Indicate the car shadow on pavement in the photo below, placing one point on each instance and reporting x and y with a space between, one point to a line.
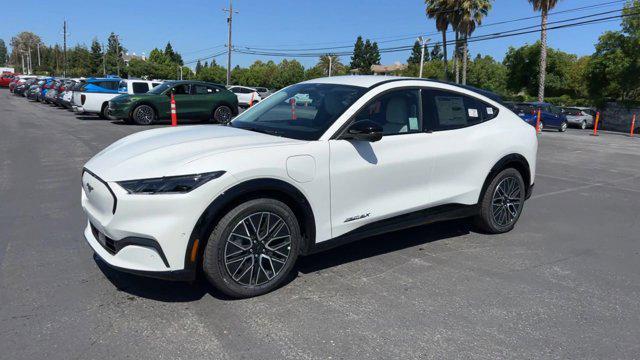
176 291
383 244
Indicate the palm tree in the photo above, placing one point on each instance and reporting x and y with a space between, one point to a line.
440 10
331 64
469 17
543 6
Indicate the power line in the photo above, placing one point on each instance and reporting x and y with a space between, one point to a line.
499 35
396 38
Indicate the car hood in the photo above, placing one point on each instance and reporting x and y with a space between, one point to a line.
166 151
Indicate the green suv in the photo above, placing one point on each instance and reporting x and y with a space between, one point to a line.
194 100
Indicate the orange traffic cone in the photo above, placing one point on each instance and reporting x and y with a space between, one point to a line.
174 115
251 101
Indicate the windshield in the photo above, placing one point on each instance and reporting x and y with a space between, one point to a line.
301 111
160 88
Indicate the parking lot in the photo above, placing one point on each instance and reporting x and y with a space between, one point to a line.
564 284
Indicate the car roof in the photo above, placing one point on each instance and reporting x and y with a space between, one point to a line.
369 81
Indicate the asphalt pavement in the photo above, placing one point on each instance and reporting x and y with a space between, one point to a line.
565 283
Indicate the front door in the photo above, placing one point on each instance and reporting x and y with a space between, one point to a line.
372 181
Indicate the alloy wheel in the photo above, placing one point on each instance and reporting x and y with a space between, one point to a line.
257 249
583 125
144 115
222 114
507 201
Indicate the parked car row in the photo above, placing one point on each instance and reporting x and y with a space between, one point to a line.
552 116
134 101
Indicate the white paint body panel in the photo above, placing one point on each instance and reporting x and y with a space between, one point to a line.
340 179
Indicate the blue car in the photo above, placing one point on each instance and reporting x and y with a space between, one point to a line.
550 116
48 82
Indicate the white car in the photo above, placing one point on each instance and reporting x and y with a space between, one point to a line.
89 102
245 95
581 117
369 154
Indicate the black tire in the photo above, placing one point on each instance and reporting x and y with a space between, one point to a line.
222 114
226 264
500 216
143 115
563 127
104 112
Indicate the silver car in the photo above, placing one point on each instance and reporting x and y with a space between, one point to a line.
581 117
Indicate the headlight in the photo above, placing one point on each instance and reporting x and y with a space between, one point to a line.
168 185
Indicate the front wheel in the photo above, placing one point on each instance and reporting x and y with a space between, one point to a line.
502 202
143 115
583 125
253 248
222 114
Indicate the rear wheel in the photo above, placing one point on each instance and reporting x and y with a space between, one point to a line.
104 111
563 127
143 115
502 202
222 114
583 125
253 248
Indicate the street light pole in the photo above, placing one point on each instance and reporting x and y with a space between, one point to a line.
330 63
423 43
229 22
64 66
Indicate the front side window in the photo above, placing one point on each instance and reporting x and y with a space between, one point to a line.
182 89
396 112
301 111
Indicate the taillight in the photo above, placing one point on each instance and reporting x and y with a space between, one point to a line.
83 97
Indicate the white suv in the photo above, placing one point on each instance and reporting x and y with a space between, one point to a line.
245 95
365 155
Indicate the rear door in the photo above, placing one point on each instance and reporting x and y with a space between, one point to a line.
204 100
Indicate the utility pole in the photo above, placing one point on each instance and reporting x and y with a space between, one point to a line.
118 55
64 57
229 22
104 61
38 54
423 42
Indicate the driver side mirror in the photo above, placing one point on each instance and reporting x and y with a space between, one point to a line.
364 130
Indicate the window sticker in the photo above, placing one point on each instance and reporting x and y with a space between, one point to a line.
413 123
473 113
450 110
490 110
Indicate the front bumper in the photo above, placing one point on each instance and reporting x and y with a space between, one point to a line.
151 235
118 110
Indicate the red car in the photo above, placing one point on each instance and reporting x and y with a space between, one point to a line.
5 79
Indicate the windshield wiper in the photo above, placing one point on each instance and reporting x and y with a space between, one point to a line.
263 131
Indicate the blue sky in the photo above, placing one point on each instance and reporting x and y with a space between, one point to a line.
197 28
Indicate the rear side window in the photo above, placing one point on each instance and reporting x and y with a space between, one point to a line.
140 87
202 90
446 110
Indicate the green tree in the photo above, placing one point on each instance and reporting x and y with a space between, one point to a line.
289 72
613 69
358 59
544 6
3 53
471 13
198 66
326 60
371 56
213 73
440 11
416 53
486 73
23 43
172 55
114 52
96 58
436 53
